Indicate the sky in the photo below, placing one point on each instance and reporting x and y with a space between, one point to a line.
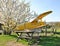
41 6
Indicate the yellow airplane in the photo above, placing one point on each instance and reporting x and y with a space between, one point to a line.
36 23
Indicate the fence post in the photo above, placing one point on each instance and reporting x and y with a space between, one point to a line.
46 30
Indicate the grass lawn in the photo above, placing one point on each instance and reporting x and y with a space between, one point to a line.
6 40
50 41
53 40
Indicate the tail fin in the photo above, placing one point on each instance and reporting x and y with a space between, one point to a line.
41 16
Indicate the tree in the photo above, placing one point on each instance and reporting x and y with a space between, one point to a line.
31 16
13 13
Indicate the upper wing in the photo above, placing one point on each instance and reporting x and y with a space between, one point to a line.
41 16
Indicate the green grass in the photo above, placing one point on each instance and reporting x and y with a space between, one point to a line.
6 38
50 41
44 41
53 40
58 30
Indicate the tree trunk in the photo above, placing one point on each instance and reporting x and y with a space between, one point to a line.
7 32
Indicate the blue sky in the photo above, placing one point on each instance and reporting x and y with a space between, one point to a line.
41 6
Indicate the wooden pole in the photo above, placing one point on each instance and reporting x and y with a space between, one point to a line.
46 30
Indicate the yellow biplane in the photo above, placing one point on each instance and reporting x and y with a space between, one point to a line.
36 23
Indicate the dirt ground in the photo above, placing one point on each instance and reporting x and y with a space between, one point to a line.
14 43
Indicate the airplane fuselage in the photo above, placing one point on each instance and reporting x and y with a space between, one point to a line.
29 25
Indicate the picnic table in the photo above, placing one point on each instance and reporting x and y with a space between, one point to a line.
29 34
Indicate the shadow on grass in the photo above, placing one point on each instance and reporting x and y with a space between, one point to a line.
49 41
15 36
46 40
57 33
